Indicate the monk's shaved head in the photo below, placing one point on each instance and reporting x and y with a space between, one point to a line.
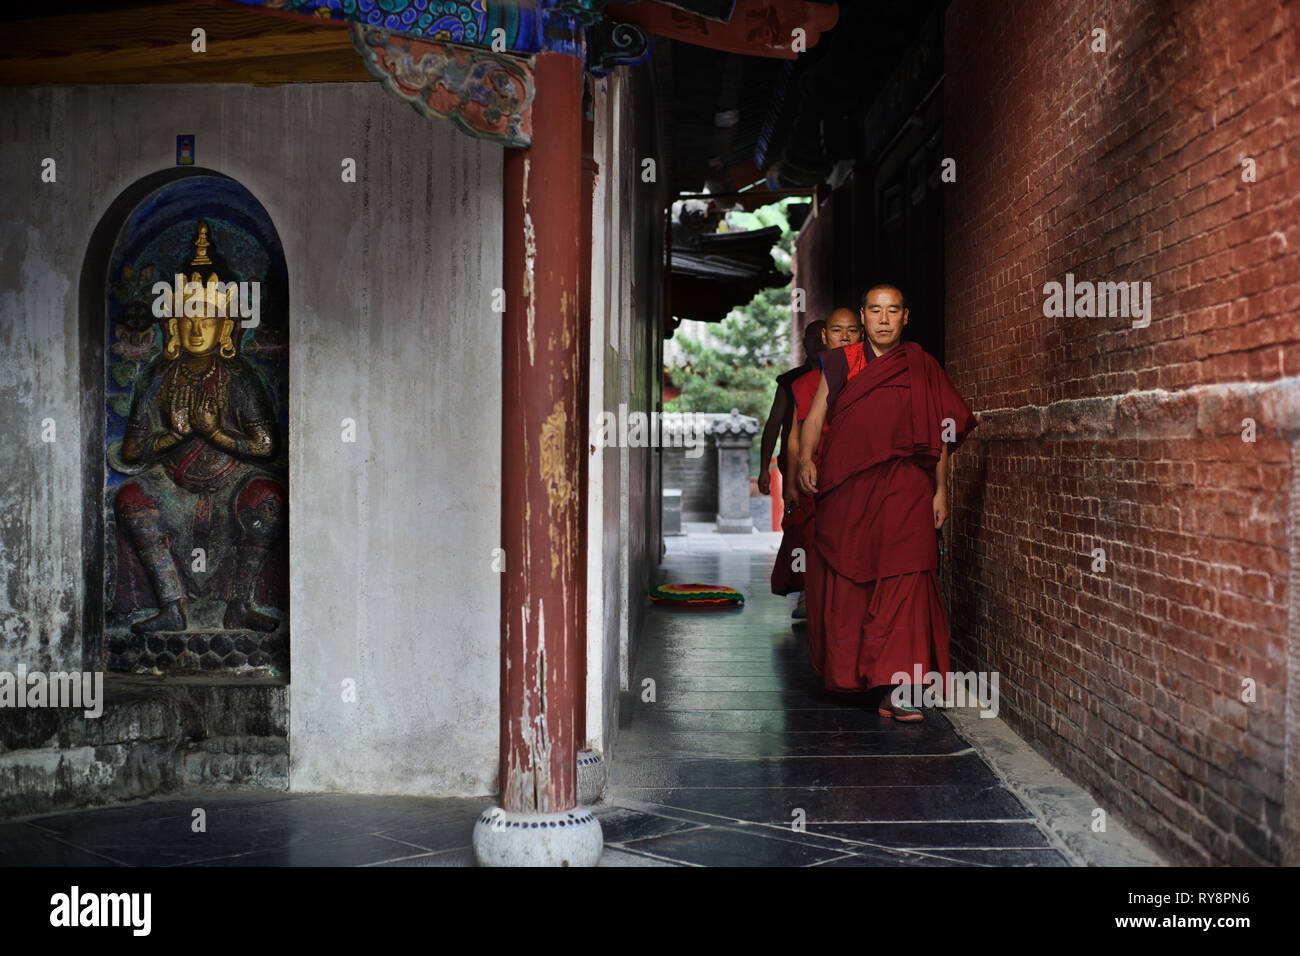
902 296
812 338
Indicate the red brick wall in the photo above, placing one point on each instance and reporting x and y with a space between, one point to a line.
1127 166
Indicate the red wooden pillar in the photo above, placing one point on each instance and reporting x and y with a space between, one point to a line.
543 431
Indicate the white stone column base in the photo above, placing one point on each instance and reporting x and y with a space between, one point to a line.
591 776
743 525
568 838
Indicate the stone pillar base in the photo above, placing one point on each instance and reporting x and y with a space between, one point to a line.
568 838
743 525
591 776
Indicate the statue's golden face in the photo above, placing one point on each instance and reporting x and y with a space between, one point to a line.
200 334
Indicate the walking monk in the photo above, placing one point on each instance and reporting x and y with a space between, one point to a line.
893 420
841 329
780 421
777 430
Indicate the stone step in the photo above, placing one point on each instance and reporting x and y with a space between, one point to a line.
155 735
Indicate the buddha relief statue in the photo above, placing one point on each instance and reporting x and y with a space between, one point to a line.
202 426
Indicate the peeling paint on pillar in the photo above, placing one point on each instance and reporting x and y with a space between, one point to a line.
530 266
559 489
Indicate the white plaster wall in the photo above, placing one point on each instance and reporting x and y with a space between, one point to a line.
43 231
390 284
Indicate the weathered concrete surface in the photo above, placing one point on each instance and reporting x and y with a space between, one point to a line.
391 281
391 562
1065 808
155 735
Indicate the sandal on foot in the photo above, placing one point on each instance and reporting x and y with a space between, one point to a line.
800 612
905 714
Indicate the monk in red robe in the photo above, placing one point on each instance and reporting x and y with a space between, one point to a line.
787 574
842 328
892 420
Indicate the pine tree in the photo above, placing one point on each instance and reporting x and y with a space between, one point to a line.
753 343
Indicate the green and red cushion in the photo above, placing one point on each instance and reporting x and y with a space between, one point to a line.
696 595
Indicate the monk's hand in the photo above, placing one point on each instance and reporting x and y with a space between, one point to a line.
765 482
940 508
807 478
790 495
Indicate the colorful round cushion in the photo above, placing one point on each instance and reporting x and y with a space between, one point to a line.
700 595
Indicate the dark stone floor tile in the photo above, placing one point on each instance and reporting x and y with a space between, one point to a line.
365 813
460 856
633 743
621 857
875 857
22 845
966 770
715 847
806 685
1034 857
647 718
170 841
687 656
667 698
620 825
847 804
938 835
350 851
437 835
784 669
148 810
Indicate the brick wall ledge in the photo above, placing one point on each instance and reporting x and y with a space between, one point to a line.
1202 411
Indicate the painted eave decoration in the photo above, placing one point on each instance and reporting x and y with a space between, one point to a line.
470 61
485 95
516 26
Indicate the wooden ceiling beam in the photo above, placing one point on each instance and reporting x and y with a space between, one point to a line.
154 45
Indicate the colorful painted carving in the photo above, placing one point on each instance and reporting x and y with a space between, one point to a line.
485 94
470 22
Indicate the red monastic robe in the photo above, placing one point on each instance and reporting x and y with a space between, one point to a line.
872 570
795 526
785 580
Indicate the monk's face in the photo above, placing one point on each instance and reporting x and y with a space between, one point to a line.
812 338
884 317
842 328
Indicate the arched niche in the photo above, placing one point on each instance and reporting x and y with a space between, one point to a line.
185 456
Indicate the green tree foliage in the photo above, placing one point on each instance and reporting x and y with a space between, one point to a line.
752 342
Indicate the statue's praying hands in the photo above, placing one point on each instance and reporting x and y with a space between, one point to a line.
179 414
206 416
